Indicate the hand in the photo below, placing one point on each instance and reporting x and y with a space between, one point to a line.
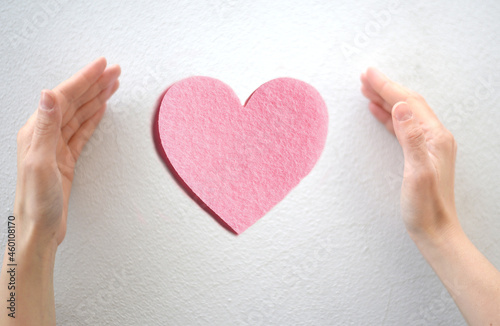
427 193
50 143
428 201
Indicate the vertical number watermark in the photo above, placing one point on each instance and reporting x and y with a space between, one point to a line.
11 265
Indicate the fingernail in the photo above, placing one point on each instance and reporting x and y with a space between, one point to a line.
402 111
46 101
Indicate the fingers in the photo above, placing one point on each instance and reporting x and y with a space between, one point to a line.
88 110
108 77
80 82
375 98
47 125
411 136
382 115
385 93
388 90
81 137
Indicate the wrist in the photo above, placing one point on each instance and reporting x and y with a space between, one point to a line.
31 242
30 261
433 226
33 222
438 239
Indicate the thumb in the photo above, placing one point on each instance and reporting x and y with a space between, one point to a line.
411 136
47 124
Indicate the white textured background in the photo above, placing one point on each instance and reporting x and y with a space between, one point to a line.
139 251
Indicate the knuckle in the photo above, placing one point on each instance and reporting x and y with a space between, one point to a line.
423 178
21 135
36 165
415 137
33 164
449 139
43 128
426 176
446 140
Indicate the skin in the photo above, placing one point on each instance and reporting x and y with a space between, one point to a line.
49 145
51 142
428 200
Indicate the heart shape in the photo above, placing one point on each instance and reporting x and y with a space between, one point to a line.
240 161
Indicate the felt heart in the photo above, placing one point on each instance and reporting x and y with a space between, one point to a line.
240 161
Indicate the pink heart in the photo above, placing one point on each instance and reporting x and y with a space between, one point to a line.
240 161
